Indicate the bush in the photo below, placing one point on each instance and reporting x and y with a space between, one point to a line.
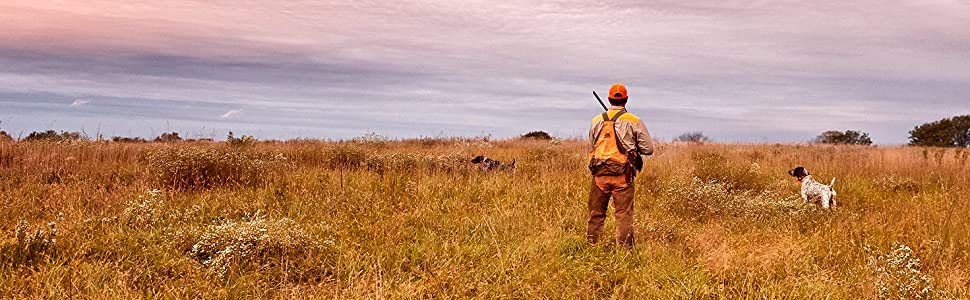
53 136
899 274
121 139
537 135
244 141
168 137
948 132
344 157
192 168
693 137
713 167
849 137
371 140
239 245
700 200
4 137
30 244
703 201
147 210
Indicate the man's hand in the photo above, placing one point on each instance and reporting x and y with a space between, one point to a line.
633 156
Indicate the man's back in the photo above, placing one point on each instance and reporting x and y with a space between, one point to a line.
632 132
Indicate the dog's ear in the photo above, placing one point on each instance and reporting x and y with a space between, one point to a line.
477 159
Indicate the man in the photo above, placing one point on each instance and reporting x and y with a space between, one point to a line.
618 139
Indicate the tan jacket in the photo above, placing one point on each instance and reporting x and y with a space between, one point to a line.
630 129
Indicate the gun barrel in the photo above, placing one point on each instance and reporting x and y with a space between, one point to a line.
601 101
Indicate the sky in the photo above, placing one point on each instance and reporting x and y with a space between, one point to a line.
739 71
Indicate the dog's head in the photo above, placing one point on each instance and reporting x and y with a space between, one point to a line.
478 159
798 172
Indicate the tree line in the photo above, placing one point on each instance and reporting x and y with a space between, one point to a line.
72 136
946 132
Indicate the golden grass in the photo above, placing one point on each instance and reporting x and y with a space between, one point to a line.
411 219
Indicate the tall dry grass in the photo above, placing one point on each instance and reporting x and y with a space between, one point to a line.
412 219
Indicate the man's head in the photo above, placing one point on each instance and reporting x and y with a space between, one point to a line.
618 95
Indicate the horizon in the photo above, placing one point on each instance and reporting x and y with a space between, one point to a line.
739 72
374 137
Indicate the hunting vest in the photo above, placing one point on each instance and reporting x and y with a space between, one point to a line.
608 156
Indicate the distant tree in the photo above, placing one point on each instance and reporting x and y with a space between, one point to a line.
961 132
168 137
948 132
124 139
245 140
849 137
53 136
4 137
538 135
48 135
693 137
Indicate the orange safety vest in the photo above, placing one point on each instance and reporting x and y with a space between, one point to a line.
608 146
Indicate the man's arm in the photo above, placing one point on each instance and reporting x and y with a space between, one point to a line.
644 141
592 134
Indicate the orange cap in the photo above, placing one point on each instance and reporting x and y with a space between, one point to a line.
618 92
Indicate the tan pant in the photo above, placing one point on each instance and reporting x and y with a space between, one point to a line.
599 198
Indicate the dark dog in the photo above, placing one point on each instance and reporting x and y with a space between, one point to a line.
813 190
489 164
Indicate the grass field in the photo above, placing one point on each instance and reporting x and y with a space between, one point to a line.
412 219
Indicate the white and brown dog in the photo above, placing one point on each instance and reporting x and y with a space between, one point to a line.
489 164
813 190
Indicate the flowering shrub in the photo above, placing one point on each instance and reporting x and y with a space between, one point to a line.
146 210
898 274
701 200
711 166
31 243
371 139
192 168
235 245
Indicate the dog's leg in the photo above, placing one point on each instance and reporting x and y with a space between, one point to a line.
825 200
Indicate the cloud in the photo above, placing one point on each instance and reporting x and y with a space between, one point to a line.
231 113
79 102
738 69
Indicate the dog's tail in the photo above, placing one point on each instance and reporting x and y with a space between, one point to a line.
831 184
